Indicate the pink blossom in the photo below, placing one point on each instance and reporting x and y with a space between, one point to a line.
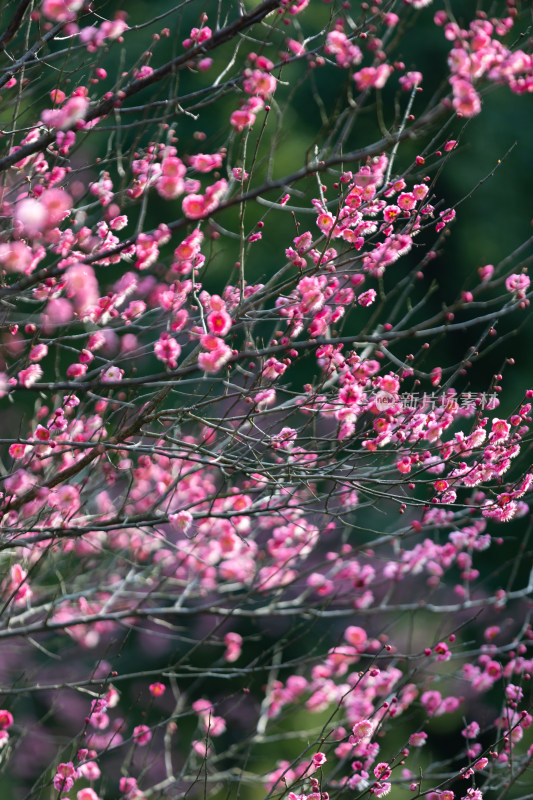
233 642
471 731
206 163
517 284
87 794
62 784
109 30
15 256
77 370
197 36
181 521
257 82
219 322
200 748
473 794
31 215
38 352
128 786
407 200
410 80
356 636
381 789
65 776
242 118
382 770
372 77
82 287
142 735
418 739
27 377
194 206
61 10
111 374
346 52
362 731
319 759
63 118
57 312
18 450
296 47
432 702
216 356
89 770
168 350
486 272
500 430
170 183
285 439
367 298
273 368
6 719
297 7
57 204
465 98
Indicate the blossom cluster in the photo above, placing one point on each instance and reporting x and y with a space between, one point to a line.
222 517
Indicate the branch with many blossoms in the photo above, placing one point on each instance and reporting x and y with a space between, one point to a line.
248 498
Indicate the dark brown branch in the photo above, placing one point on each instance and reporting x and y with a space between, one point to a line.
17 65
103 108
14 25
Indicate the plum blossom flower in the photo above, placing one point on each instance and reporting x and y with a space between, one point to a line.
65 776
68 115
466 100
367 298
410 80
61 10
16 256
111 374
518 284
219 322
319 759
233 642
361 731
167 350
206 163
216 353
372 77
242 118
346 53
170 183
87 794
285 439
38 352
181 521
260 83
6 719
142 735
381 789
356 636
27 377
197 36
